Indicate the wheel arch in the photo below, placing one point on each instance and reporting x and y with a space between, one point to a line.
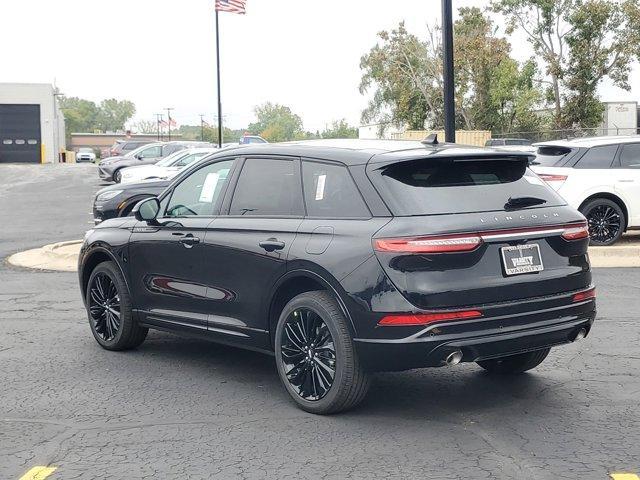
609 196
91 260
294 283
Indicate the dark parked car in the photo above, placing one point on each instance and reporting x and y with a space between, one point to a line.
118 200
122 147
346 257
110 169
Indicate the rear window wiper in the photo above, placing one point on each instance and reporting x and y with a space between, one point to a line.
521 202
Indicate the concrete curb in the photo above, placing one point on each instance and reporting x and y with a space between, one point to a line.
616 256
61 257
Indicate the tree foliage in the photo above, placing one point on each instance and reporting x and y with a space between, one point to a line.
276 123
340 129
493 91
85 116
578 43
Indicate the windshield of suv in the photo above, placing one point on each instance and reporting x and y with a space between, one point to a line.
443 186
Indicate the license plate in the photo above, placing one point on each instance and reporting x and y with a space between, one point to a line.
522 259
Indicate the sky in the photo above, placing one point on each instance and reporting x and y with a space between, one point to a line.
161 53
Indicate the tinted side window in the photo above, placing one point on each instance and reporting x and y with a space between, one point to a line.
268 187
329 191
197 194
129 146
598 157
630 156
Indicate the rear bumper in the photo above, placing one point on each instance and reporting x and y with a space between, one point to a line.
430 348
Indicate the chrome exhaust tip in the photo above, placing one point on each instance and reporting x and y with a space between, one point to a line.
581 334
454 358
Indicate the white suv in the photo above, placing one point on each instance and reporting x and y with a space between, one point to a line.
599 176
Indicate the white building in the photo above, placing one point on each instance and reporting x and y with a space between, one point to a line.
31 124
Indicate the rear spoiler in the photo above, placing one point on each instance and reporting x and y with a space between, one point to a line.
450 155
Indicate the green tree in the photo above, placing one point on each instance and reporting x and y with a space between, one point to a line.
145 126
579 43
276 123
114 114
492 90
81 116
339 129
405 74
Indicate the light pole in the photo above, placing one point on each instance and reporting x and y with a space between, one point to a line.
201 127
449 79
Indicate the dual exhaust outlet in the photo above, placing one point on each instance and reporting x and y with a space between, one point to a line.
456 356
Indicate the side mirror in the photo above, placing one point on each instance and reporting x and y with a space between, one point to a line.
147 210
139 156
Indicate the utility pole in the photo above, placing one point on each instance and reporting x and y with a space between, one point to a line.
201 127
159 118
449 80
169 121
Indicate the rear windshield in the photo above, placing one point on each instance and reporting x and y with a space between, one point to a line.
553 156
436 187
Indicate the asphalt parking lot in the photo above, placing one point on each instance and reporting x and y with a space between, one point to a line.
184 408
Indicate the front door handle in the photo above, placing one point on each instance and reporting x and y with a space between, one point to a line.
271 244
626 180
189 241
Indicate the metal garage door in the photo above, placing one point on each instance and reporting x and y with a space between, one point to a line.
20 133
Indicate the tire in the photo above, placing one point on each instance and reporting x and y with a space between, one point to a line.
117 176
606 221
323 315
515 364
128 333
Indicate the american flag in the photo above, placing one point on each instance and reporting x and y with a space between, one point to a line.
233 6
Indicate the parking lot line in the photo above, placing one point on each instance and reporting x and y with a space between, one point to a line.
624 476
38 473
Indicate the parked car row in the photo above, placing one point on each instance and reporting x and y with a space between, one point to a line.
111 168
341 258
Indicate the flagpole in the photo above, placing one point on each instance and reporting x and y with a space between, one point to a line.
218 71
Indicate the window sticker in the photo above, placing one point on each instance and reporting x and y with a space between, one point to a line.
209 187
322 179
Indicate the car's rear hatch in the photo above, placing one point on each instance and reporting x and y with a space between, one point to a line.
474 229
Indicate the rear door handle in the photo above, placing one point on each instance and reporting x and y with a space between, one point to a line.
626 180
271 244
189 241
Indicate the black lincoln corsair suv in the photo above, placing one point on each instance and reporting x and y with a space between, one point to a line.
346 257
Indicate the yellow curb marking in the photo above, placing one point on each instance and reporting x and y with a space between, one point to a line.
40 473
624 476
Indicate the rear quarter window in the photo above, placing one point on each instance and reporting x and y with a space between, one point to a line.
444 186
598 157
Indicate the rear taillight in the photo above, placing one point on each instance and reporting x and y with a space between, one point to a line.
441 244
585 295
553 178
577 232
427 318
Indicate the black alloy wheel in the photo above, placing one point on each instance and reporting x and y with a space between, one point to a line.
109 309
104 306
316 357
309 354
606 221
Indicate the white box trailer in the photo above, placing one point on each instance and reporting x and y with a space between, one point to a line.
620 118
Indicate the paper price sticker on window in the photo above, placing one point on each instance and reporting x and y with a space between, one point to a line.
322 179
209 187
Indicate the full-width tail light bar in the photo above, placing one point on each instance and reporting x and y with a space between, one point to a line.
585 295
470 241
409 320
